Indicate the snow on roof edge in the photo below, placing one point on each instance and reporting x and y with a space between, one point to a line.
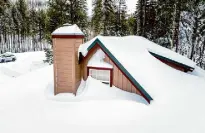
68 30
84 48
170 60
124 70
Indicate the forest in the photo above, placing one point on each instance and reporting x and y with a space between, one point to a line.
175 24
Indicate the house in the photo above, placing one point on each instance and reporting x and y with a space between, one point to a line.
124 62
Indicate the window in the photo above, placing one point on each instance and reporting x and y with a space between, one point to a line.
102 75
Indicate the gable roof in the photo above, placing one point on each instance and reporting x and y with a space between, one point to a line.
127 74
132 55
139 42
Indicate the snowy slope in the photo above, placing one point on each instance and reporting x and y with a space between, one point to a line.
32 61
137 44
25 107
94 90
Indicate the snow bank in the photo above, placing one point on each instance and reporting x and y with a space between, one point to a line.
93 89
97 60
32 61
198 72
178 104
24 108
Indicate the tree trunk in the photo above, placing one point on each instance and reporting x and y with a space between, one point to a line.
176 25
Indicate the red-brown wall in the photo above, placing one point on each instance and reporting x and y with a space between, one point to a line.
119 80
173 65
67 74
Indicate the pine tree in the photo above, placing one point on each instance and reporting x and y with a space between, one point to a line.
121 21
108 17
57 14
16 16
42 20
194 19
23 10
146 18
97 17
78 13
140 15
132 26
65 11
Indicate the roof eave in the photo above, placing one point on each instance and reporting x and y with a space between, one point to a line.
141 89
186 67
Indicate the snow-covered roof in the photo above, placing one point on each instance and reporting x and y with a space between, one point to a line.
132 53
68 29
138 43
97 60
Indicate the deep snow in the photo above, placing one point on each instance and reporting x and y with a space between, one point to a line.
130 45
97 60
68 29
26 108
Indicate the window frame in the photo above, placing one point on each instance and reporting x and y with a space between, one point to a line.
101 69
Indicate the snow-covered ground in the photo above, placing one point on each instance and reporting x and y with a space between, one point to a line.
25 63
28 106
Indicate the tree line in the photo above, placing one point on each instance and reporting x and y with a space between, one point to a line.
176 24
22 26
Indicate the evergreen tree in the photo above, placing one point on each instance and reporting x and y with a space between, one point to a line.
97 17
103 20
132 26
34 28
108 18
65 11
16 16
146 18
24 22
121 21
42 20
78 13
193 21
57 14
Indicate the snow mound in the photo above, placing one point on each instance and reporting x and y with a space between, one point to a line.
26 62
97 60
198 72
93 89
68 30
177 107
97 90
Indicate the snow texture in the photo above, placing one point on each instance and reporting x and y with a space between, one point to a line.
34 60
93 89
27 104
137 45
97 60
68 30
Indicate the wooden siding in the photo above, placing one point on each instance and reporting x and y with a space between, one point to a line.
119 80
66 68
78 42
173 65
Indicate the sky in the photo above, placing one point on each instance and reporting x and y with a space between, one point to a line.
131 4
